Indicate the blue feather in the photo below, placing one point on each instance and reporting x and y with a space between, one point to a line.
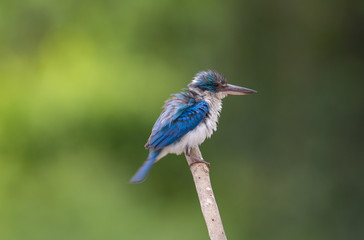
143 171
169 128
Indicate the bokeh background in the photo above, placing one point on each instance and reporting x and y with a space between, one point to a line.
82 82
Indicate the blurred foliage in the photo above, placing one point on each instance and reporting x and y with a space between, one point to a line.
82 82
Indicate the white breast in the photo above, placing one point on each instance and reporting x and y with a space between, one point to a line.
201 132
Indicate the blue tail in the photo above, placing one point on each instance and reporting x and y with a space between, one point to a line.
143 171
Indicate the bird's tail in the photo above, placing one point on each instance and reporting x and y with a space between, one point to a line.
143 171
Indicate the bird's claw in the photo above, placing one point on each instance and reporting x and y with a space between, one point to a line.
195 160
200 161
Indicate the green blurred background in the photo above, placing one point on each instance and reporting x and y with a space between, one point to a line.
82 82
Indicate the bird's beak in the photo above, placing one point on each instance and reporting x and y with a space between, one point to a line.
236 90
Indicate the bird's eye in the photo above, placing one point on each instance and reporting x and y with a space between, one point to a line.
216 85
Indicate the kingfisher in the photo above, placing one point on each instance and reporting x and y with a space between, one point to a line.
188 118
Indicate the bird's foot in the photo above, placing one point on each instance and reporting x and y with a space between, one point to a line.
195 160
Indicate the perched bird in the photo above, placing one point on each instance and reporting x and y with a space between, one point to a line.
188 118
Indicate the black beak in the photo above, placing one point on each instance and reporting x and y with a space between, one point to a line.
236 90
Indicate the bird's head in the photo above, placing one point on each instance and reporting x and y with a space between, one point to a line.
213 83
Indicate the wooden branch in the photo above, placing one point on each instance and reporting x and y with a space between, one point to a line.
210 211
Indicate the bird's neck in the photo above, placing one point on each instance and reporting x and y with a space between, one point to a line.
215 104
214 101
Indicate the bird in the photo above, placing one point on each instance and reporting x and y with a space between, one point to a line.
188 118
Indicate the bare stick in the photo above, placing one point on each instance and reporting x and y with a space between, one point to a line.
210 211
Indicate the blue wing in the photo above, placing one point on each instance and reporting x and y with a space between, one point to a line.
175 121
